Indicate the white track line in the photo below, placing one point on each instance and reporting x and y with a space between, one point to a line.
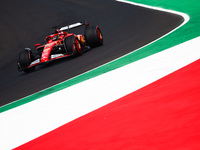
31 120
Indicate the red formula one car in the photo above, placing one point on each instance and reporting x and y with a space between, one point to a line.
60 44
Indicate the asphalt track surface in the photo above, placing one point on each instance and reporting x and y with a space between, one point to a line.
24 23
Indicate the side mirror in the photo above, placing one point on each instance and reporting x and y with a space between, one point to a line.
37 45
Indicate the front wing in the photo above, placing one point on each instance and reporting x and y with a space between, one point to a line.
38 61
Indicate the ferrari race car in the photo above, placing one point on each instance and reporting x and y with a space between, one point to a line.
59 45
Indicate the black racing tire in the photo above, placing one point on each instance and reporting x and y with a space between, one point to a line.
93 36
25 59
72 45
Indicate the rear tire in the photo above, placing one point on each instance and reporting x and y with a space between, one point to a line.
72 45
94 37
25 59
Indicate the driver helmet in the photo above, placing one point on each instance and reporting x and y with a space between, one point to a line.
56 37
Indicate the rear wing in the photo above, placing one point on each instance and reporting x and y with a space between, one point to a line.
75 25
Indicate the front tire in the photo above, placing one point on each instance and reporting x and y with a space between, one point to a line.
25 59
72 45
94 37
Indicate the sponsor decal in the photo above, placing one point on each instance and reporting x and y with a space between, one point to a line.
46 49
35 62
56 55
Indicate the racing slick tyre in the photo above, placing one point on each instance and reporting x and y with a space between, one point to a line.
94 37
72 45
25 59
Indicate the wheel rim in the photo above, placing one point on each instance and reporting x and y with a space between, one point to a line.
78 46
100 37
